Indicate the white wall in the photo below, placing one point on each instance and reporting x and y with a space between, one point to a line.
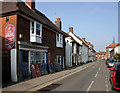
84 53
117 49
68 52
14 65
84 48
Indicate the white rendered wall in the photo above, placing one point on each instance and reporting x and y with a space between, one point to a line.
84 48
14 65
68 52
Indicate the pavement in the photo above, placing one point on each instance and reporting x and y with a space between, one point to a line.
46 80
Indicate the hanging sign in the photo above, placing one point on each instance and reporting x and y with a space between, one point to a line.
9 36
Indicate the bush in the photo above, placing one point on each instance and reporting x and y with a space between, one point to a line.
117 56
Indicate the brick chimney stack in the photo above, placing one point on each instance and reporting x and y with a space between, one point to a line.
31 4
58 23
88 43
71 29
83 39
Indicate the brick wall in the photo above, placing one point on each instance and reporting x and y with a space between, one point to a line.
6 63
107 53
48 38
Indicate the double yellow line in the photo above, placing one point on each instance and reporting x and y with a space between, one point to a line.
51 82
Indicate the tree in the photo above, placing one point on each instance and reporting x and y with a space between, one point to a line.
117 56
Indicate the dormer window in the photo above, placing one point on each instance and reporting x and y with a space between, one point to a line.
35 32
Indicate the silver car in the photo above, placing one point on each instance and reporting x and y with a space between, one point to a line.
111 63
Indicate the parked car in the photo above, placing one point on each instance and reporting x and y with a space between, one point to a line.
111 62
115 76
107 61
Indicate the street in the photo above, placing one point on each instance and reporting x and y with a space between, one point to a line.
93 78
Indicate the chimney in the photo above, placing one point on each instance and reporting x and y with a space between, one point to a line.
58 23
88 43
71 29
31 4
83 39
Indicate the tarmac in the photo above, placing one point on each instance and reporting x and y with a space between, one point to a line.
35 84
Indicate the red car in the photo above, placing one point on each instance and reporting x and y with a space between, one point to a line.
115 76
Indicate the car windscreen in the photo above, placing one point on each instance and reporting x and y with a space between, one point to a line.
110 60
118 67
114 60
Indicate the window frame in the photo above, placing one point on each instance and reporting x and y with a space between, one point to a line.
59 40
35 35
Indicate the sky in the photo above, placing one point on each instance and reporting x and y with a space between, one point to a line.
95 21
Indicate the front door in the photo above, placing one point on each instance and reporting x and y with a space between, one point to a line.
25 64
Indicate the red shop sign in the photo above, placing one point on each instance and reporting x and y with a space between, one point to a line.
9 36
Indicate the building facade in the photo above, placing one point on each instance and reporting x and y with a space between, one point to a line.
109 48
29 37
73 51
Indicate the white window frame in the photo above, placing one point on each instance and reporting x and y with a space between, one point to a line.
59 58
59 40
74 48
39 58
33 36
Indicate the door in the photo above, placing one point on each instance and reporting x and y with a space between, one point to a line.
25 64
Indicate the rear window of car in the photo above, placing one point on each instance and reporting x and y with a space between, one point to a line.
118 67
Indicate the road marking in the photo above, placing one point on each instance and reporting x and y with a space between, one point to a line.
56 80
99 69
96 74
107 85
106 81
107 90
90 86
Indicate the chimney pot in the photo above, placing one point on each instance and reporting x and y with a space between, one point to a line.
31 3
83 39
89 43
71 29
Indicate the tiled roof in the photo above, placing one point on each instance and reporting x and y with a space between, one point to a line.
90 44
113 45
8 7
101 52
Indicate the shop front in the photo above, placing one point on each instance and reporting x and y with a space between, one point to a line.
31 55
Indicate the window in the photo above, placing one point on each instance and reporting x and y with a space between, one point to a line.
37 29
37 57
59 60
32 28
59 40
74 49
35 32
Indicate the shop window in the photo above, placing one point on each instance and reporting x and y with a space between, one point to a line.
37 57
35 32
59 40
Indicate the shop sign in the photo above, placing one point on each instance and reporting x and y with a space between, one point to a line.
9 36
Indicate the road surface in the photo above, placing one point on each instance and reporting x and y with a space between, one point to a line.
93 78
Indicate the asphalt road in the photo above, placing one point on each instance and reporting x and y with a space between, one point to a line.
93 78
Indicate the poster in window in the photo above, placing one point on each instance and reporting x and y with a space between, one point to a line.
33 71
